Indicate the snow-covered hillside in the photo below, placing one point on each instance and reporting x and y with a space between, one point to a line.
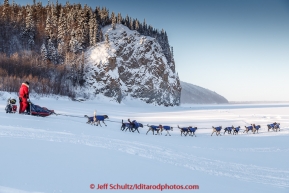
64 154
192 94
130 64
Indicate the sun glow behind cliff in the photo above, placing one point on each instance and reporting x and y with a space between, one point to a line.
131 65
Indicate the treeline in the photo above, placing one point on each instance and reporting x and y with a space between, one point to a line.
45 78
39 41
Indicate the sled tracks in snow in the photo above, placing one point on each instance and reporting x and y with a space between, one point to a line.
253 173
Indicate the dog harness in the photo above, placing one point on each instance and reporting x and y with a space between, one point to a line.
193 129
99 117
154 127
250 127
271 125
228 129
237 128
185 129
167 127
257 127
136 124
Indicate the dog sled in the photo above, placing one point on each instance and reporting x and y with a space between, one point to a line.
36 110
32 109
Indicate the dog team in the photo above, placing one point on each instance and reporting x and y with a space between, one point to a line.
133 126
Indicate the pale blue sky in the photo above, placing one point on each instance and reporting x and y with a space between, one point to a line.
237 48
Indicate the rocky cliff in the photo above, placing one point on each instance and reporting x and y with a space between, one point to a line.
192 94
129 64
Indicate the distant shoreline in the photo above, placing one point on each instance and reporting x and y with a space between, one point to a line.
256 102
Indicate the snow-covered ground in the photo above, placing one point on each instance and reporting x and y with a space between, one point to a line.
64 154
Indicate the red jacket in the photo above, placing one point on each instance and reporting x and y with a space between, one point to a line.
24 92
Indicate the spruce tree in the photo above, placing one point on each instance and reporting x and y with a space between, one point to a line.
104 16
48 27
126 21
136 25
61 34
96 34
19 17
29 31
92 29
100 36
81 71
62 27
106 40
113 20
5 10
6 2
52 52
172 56
79 31
39 15
131 27
54 21
144 27
43 51
97 14
74 45
119 18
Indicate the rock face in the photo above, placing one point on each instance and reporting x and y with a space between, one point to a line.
192 94
130 64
